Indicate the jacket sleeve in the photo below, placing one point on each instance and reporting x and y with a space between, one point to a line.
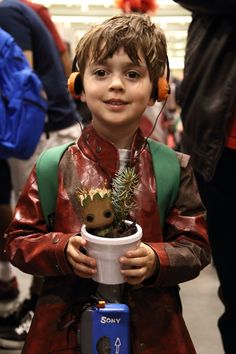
210 7
185 250
29 246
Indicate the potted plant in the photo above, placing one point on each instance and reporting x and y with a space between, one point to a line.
106 229
104 211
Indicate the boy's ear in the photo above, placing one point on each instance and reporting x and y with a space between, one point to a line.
75 86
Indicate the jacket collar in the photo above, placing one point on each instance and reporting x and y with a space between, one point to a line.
104 152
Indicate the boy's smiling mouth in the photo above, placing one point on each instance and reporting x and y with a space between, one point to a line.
116 102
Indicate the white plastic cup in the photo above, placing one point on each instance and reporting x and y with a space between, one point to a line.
107 252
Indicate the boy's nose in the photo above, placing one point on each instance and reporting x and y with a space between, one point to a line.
116 82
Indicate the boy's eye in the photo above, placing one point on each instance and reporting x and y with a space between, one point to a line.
133 75
100 73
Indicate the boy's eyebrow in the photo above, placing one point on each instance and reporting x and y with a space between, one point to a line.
126 64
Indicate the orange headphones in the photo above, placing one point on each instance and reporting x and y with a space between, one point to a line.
74 85
160 92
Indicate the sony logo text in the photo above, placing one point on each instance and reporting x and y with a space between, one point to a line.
105 320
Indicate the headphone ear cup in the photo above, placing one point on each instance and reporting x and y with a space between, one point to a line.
163 89
74 85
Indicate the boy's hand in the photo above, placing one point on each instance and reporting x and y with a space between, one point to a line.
82 265
139 264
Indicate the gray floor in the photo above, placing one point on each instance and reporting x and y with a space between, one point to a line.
201 309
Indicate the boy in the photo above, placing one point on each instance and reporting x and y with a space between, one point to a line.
120 62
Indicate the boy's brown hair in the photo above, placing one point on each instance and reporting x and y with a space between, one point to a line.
135 33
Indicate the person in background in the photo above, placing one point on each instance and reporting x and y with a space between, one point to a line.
61 125
121 62
9 290
62 46
208 103
63 49
8 283
170 120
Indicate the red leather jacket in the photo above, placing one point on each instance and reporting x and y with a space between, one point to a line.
157 325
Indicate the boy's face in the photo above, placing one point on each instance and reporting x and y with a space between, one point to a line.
117 92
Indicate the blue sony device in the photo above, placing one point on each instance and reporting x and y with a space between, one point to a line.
104 329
